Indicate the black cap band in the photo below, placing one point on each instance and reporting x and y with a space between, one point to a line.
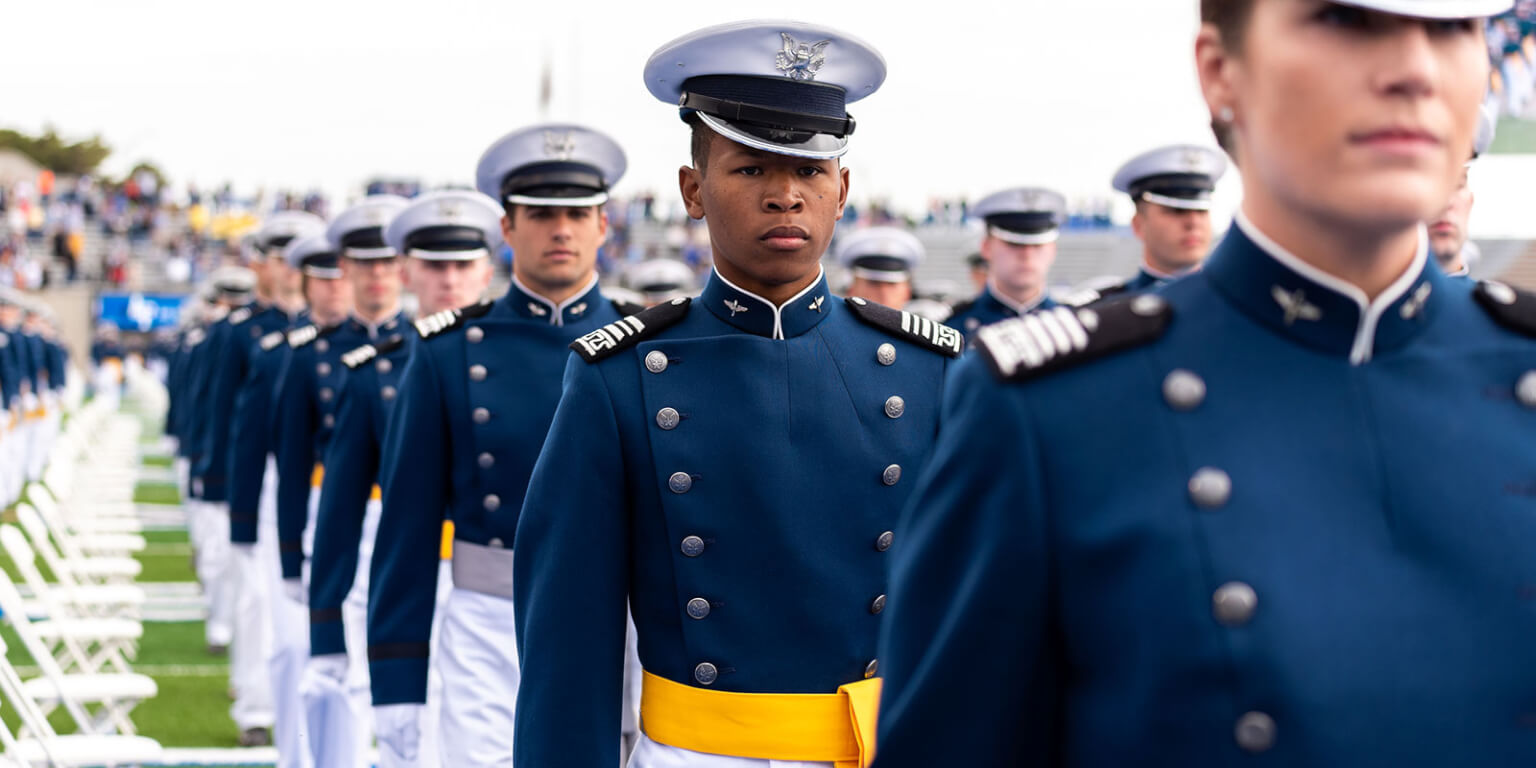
446 238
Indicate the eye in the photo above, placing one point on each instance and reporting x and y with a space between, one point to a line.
750 170
1343 17
811 170
1450 26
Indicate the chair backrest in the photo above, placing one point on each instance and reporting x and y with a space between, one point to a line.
25 560
15 609
33 719
43 538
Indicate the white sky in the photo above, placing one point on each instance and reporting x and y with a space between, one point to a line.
326 93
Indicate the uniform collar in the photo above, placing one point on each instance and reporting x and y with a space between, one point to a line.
1007 306
1147 277
1300 301
527 304
758 316
388 325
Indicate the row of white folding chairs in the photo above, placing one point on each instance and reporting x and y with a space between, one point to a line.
36 743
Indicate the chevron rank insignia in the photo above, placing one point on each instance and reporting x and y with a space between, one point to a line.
298 337
360 356
919 330
623 334
1049 340
239 316
271 341
439 323
1513 309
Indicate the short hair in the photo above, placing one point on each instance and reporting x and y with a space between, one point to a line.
699 141
1230 18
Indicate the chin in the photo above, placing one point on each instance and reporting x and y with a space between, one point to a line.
1390 200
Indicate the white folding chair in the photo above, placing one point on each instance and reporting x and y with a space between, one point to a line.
89 544
86 645
66 598
95 518
67 559
38 744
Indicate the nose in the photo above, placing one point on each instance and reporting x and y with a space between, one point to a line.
783 194
1411 62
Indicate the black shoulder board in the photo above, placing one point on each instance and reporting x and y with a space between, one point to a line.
1048 340
449 319
1511 308
964 306
270 341
617 336
298 337
627 308
239 316
905 325
366 352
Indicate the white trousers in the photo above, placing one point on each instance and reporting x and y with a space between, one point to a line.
252 642
477 657
340 716
649 754
209 528
288 624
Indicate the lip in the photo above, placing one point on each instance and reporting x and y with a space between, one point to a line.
786 238
1442 227
559 254
1397 139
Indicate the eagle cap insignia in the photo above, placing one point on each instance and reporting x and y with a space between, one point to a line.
801 61
449 210
1193 160
559 146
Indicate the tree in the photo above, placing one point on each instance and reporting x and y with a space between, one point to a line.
55 153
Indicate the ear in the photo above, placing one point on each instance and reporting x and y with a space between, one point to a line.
844 178
506 228
690 182
1214 63
602 225
1137 222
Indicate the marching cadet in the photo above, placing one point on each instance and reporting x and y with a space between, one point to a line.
661 280
472 411
1344 580
879 262
13 383
1023 225
106 361
1449 239
451 236
233 342
305 415
731 467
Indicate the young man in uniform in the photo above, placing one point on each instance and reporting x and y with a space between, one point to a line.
1023 225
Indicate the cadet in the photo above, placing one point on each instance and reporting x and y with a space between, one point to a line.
731 467
879 262
661 280
451 235
1103 568
474 405
1020 247
13 383
1449 238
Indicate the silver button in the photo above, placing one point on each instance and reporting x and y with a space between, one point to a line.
895 406
1234 603
891 475
1255 732
680 482
883 541
495 544
877 605
693 546
871 668
1499 292
1525 390
668 418
492 502
326 394
477 373
1147 305
1210 488
481 415
385 366
329 420
656 361
706 674
886 354
1183 390
474 334
698 608
323 369
388 393
322 346
486 461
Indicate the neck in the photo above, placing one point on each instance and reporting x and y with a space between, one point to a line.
554 294
1369 259
326 319
775 294
1018 300
377 317
1450 264
1162 271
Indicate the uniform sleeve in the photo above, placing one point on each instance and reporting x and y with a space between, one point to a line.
352 463
293 448
226 371
967 646
248 450
571 583
402 581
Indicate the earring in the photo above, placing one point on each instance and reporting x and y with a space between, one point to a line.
1225 115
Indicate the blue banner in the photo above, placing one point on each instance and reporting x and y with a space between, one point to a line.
139 311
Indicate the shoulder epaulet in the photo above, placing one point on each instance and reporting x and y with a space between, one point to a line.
300 336
439 323
239 316
271 341
196 336
1511 308
623 334
1048 340
360 356
917 329
626 308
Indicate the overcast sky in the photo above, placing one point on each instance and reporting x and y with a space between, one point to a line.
326 93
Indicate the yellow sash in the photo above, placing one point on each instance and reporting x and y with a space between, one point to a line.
820 727
445 547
